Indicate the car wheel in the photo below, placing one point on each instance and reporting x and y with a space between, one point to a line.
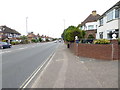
9 46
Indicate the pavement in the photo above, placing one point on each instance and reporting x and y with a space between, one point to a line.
65 70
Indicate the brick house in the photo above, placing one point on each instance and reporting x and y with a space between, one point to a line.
90 24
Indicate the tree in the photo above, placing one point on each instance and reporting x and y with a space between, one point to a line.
24 39
70 33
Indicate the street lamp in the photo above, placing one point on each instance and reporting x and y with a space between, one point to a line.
26 25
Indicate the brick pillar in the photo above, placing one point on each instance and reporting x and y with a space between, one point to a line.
114 49
76 48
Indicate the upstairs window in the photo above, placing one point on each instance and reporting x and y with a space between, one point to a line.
90 27
117 13
110 16
101 22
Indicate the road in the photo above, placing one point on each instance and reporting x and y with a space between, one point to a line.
20 61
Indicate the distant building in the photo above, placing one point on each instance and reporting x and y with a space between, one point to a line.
109 23
31 36
90 24
9 34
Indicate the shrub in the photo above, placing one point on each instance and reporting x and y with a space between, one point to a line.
47 40
15 43
102 41
3 40
34 40
25 42
40 39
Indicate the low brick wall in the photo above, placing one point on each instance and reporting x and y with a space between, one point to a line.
97 51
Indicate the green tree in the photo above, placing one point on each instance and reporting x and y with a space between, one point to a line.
70 33
24 39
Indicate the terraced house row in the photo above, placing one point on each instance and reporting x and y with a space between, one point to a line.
103 26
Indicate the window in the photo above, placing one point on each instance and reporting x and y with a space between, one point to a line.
90 27
101 22
101 35
110 16
117 13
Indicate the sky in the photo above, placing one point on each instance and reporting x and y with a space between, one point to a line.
48 17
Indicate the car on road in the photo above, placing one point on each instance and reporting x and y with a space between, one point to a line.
5 45
55 41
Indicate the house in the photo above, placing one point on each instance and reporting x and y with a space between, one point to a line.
90 24
9 34
109 23
43 38
31 36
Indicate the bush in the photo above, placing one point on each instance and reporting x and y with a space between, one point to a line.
47 40
102 41
34 40
25 42
3 40
15 43
40 39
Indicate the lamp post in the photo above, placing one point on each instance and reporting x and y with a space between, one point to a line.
27 25
64 24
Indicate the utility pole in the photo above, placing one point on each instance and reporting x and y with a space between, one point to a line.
27 25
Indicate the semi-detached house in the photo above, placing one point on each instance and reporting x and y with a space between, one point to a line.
109 23
90 24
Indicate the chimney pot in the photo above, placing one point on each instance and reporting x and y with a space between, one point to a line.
94 12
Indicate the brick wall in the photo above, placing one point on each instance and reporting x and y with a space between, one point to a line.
97 51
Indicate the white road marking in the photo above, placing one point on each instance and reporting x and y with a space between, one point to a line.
29 79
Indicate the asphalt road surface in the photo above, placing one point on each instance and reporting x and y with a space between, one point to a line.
20 61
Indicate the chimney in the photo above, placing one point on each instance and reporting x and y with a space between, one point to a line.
94 12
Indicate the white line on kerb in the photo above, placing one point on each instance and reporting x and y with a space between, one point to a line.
29 79
43 70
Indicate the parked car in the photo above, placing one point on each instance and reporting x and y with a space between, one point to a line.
5 45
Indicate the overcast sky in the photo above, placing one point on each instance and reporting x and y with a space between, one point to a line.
47 16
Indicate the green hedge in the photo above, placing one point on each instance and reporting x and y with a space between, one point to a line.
101 41
15 43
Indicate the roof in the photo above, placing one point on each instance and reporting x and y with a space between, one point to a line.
90 18
31 35
117 5
9 30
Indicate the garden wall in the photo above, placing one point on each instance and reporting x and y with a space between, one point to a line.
97 51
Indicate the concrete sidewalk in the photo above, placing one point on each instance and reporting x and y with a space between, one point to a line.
65 70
